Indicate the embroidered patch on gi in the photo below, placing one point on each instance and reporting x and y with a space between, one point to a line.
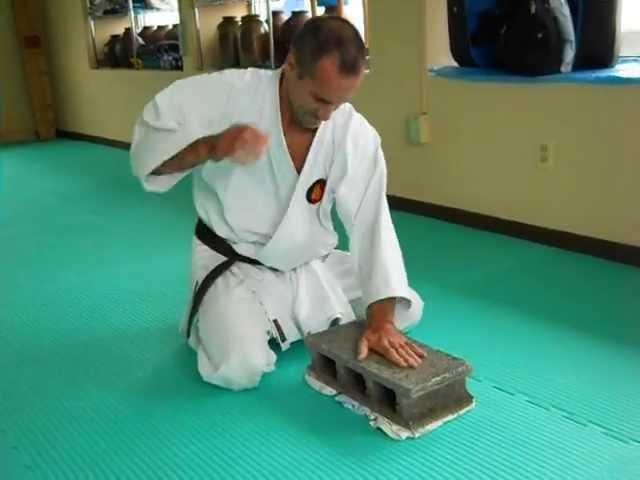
316 191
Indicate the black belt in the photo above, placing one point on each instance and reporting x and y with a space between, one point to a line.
219 245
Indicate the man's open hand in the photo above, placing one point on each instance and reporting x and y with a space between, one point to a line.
387 340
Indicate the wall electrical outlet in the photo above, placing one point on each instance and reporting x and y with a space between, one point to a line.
546 154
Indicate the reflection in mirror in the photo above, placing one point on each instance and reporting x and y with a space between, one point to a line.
236 33
140 34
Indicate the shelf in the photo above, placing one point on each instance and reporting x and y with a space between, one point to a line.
625 72
136 11
144 11
108 16
213 3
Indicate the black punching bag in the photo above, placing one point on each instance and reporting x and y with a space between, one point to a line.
597 32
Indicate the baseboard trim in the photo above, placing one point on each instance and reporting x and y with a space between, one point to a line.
617 252
93 139
17 136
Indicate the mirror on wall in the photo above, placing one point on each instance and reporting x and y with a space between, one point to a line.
135 34
257 33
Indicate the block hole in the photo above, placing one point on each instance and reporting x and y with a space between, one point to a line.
356 381
326 366
388 398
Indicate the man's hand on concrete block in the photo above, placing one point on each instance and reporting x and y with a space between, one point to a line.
388 341
382 336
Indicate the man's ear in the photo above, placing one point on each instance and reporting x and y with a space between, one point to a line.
290 63
292 67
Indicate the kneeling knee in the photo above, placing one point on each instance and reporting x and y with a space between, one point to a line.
235 373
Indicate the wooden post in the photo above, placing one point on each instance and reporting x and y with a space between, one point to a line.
30 39
314 8
340 8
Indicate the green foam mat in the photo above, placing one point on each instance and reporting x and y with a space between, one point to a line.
96 381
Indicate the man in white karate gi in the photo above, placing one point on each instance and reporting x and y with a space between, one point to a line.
270 153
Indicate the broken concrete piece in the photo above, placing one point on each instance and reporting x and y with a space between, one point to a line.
413 398
378 420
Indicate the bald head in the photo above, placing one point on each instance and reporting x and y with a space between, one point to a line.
329 36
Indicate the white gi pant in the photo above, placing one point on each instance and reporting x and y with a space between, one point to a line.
249 305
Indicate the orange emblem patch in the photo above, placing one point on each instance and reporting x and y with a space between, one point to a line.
316 191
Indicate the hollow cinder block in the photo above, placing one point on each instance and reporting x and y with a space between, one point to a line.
412 397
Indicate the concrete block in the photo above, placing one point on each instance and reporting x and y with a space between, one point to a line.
412 398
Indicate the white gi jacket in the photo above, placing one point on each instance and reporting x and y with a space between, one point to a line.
265 210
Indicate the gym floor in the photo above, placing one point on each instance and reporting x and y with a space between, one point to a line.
96 381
